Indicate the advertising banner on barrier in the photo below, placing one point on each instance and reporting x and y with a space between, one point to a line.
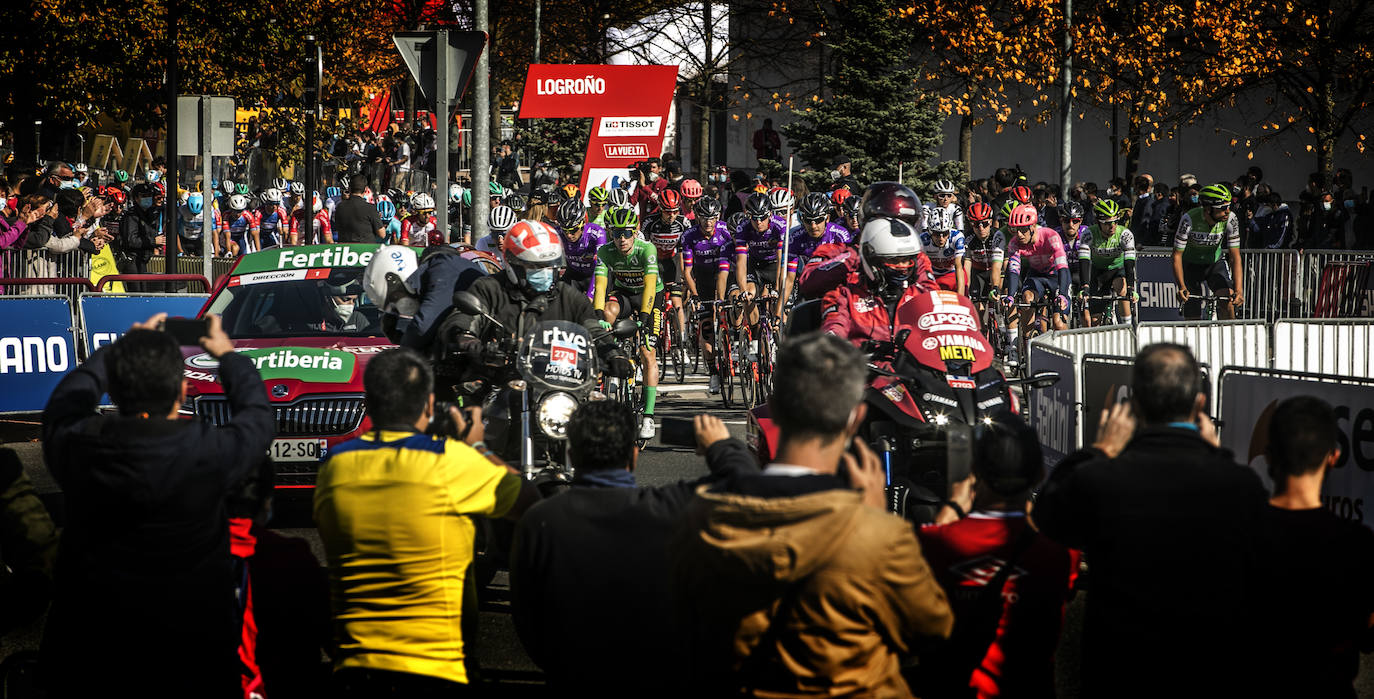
1106 381
1248 402
1158 291
37 348
105 318
1052 410
628 106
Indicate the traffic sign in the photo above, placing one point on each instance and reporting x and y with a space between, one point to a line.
417 50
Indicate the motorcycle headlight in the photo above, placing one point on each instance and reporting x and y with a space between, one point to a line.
553 414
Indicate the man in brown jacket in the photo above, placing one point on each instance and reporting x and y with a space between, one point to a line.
796 582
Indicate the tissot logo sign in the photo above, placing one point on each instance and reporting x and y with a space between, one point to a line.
626 150
629 126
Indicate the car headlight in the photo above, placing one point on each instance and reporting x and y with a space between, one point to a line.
553 414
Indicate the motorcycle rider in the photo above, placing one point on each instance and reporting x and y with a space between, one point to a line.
890 258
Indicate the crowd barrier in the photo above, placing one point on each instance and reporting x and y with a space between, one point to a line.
1090 363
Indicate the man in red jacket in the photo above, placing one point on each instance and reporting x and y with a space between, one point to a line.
891 270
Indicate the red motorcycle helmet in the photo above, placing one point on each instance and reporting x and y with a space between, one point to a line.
892 200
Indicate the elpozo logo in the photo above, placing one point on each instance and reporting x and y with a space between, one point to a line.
629 126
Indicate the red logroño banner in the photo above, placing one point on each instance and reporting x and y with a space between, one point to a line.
628 104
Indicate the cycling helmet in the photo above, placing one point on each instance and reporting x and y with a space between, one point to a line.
241 189
757 207
1007 207
455 193
839 196
121 176
331 192
849 207
892 200
227 186
814 207
422 202
706 207
271 195
152 176
940 219
298 188
669 200
736 221
1023 215
598 195
619 197
495 189
888 248
343 182
572 191
531 245
571 214
79 167
557 197
942 187
386 276
1071 210
781 199
115 195
280 183
621 218
1021 193
1215 195
979 211
195 203
516 201
1107 210
238 202
386 210
501 219
690 189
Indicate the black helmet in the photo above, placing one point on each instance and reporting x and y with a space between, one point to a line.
736 221
707 207
757 206
516 201
850 207
814 207
571 214
892 200
1070 209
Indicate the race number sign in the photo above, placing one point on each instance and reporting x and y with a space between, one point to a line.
628 105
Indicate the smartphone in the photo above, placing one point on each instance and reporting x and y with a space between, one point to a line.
678 432
187 331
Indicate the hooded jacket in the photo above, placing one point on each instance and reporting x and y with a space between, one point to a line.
802 596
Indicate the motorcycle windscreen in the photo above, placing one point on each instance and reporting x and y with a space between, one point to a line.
944 328
557 356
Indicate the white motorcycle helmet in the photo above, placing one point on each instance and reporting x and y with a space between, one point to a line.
885 240
386 279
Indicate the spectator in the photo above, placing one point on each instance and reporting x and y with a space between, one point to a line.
28 539
791 583
399 547
1318 566
507 166
602 546
42 245
144 557
1272 226
843 175
1142 207
1006 625
30 209
1325 223
1151 512
355 219
767 142
139 236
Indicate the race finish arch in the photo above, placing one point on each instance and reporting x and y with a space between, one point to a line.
628 104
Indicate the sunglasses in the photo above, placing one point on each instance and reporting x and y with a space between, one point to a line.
760 218
623 233
1075 220
982 224
1022 230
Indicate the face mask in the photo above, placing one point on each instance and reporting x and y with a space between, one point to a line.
146 202
1349 203
834 174
540 280
653 176
1326 205
69 184
344 311
1193 198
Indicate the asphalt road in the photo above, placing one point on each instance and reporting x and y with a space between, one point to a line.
500 655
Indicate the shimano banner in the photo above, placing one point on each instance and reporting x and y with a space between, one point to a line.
105 318
1158 291
1053 410
37 349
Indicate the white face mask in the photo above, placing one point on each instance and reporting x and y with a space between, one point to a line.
653 176
344 311
1326 205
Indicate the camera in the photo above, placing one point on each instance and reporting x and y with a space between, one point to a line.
442 425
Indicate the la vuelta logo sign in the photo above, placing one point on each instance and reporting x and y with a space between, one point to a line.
629 103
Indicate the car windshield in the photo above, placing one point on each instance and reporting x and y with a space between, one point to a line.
332 306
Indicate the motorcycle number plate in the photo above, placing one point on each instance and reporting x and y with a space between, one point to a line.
297 450
961 382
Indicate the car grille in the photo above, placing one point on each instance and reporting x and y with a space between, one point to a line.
304 417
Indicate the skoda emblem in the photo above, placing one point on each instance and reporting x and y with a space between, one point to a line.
279 390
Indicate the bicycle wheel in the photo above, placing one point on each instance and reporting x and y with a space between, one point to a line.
767 354
744 369
724 359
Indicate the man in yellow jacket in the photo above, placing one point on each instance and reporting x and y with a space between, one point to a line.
797 582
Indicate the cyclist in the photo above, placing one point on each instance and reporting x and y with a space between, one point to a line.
706 249
597 199
691 192
1036 266
627 283
121 178
1105 252
320 230
889 250
814 231
499 221
757 247
271 216
664 230
581 240
239 226
783 204
945 196
190 224
420 227
945 247
1071 229
984 255
1205 234
332 195
849 213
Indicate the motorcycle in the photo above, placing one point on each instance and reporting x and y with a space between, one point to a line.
927 389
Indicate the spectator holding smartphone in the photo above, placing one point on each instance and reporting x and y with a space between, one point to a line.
797 581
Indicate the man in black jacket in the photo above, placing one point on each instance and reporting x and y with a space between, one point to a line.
1168 523
590 569
144 600
139 237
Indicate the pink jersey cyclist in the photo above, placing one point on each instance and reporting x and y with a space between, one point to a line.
1039 264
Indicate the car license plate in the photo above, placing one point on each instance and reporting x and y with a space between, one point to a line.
288 450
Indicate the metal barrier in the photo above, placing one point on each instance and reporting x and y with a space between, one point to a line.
219 266
1338 347
1217 343
154 278
1277 284
25 268
1054 411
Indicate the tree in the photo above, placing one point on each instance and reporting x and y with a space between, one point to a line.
559 142
875 116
